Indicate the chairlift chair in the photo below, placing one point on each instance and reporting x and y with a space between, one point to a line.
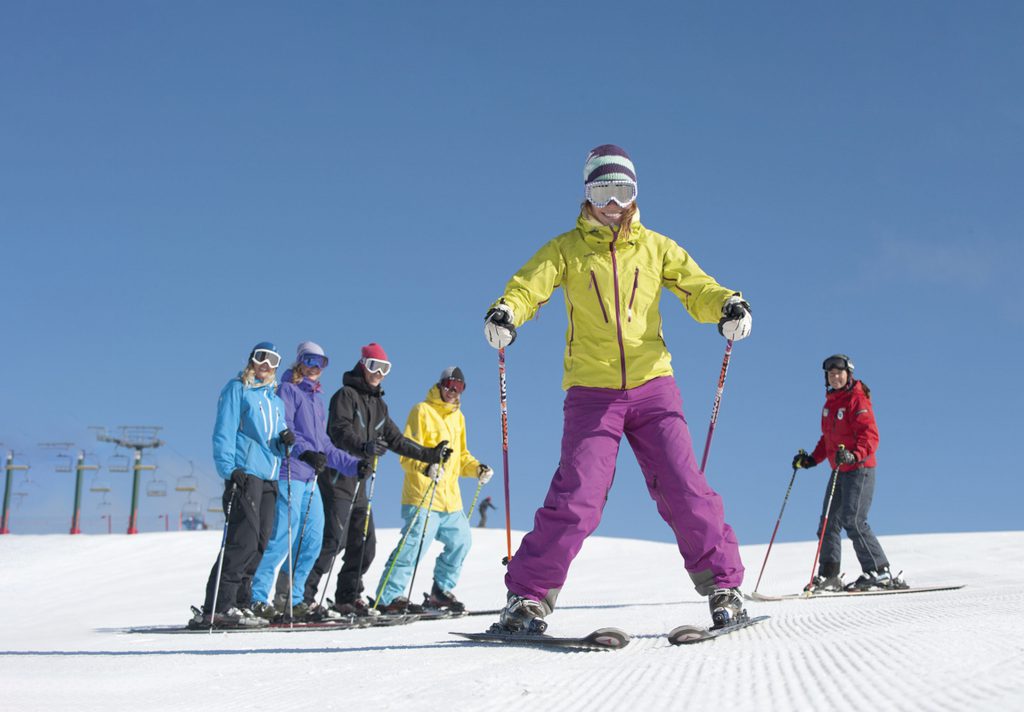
216 505
99 484
118 463
64 463
156 488
188 483
191 509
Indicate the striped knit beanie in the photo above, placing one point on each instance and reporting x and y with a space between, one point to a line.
608 163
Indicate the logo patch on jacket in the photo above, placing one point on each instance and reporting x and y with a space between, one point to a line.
840 413
824 412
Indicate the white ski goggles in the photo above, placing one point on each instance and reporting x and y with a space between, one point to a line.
600 193
271 358
376 365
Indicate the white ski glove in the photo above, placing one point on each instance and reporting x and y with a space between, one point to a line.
433 472
484 474
735 323
499 327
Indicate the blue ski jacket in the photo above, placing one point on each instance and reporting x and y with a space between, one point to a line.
304 411
249 421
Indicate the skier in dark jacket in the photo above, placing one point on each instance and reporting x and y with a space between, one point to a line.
849 439
358 422
484 506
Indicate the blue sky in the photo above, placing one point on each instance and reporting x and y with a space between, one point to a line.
182 180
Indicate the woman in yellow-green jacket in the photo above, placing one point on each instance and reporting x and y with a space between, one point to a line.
438 418
618 377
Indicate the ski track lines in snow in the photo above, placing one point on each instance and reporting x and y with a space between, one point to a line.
951 650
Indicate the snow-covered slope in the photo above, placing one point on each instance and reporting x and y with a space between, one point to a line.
66 599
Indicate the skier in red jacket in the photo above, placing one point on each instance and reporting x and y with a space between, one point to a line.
849 439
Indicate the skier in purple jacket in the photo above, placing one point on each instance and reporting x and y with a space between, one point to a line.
311 454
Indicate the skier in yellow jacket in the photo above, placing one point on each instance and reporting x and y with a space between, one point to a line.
435 419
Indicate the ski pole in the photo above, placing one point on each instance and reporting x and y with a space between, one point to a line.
291 563
776 530
718 403
334 557
824 524
366 522
503 394
398 551
220 558
476 495
305 520
419 552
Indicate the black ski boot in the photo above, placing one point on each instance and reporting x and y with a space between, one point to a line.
878 581
266 611
400 605
523 615
726 606
439 598
825 584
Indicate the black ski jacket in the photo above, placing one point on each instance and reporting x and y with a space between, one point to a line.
359 414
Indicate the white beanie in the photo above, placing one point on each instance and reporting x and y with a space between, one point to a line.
309 347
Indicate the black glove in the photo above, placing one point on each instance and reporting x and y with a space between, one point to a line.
316 460
439 453
498 327
364 469
287 437
845 457
376 447
238 476
803 460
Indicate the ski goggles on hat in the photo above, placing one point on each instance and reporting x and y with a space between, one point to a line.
835 362
453 385
376 365
271 358
600 193
313 361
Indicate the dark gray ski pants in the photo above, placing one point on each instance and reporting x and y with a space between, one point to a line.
850 506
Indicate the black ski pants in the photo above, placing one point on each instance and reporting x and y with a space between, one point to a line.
249 526
343 529
850 505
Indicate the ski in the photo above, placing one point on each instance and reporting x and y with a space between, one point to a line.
345 623
842 594
600 639
688 634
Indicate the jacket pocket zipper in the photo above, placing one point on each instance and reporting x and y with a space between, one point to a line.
632 296
597 291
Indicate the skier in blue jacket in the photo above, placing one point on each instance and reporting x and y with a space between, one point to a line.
312 453
250 438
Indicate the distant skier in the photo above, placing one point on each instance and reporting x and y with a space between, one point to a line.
619 381
436 419
358 422
249 440
313 451
848 419
484 506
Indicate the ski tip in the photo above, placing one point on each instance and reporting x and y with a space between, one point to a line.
609 638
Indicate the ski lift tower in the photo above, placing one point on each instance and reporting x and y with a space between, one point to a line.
9 468
64 465
137 438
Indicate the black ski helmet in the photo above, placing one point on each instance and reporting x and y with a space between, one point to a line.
840 361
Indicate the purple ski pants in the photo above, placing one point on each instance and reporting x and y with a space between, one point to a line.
651 417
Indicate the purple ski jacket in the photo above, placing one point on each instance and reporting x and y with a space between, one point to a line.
304 412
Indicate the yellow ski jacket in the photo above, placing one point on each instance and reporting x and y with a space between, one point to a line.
612 285
430 422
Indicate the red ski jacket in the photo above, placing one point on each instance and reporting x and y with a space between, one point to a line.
848 419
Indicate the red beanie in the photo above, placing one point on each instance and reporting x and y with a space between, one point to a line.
374 350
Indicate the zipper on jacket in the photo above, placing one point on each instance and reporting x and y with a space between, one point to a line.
636 281
618 318
597 290
572 324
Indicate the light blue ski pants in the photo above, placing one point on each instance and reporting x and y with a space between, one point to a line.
451 528
310 532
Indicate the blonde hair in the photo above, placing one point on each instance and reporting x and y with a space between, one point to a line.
248 376
298 372
625 224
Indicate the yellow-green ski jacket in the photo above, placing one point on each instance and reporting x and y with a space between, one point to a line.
612 285
430 422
